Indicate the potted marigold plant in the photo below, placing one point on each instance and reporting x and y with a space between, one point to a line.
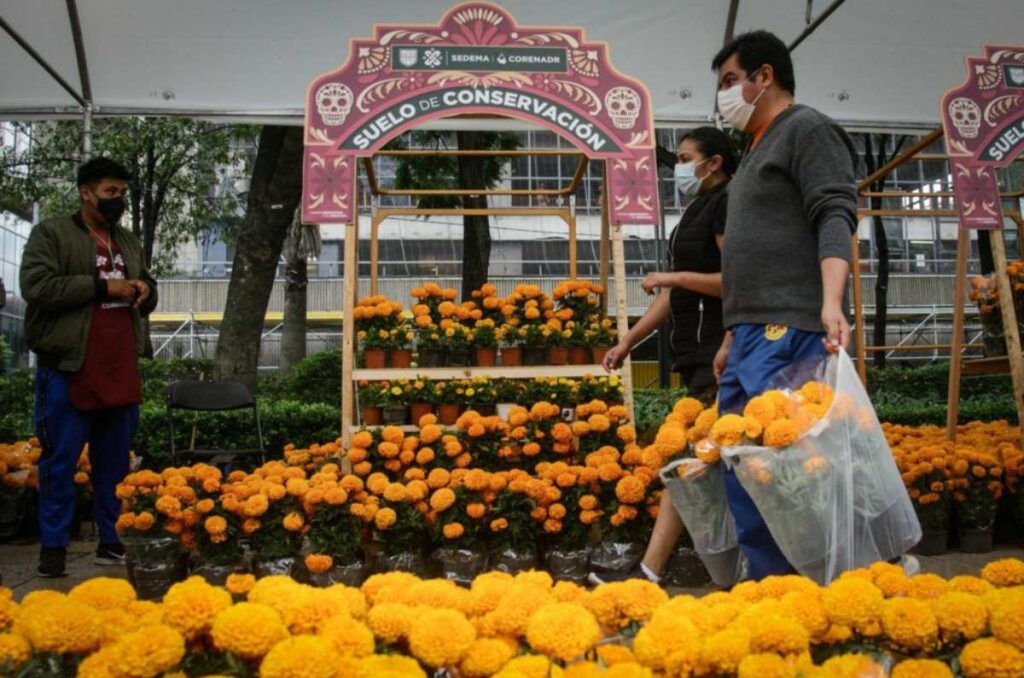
396 403
535 338
605 388
985 294
485 343
450 396
334 539
377 320
218 534
429 345
372 396
459 517
977 489
422 398
601 336
566 530
511 346
557 342
399 527
924 471
508 392
457 342
629 512
489 302
482 395
274 519
402 338
150 527
578 342
511 531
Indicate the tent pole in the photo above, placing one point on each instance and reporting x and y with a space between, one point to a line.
87 133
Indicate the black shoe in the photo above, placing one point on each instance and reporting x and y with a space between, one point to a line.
109 554
637 572
51 563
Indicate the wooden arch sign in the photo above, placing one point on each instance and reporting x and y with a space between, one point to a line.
477 61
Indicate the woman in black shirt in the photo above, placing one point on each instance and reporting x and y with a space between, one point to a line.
690 294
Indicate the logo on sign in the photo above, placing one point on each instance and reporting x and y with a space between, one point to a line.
432 58
1015 76
408 56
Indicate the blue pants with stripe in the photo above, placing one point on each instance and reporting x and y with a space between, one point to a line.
758 352
63 431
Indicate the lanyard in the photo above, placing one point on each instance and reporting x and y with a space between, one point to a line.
94 234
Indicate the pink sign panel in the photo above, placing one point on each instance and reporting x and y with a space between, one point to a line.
983 121
477 61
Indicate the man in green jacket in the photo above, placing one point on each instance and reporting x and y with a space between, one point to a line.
87 288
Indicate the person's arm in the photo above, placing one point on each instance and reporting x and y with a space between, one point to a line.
722 357
42 283
834 272
657 315
708 284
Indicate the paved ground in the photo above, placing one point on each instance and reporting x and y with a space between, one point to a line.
18 566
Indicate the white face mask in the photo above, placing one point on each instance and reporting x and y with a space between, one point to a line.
687 182
734 108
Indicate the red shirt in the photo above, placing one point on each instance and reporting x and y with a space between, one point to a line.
109 376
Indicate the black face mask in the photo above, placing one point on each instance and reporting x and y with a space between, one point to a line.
110 209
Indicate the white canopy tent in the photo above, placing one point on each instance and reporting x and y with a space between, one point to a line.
869 64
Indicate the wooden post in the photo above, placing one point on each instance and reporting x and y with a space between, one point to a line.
604 245
963 251
621 311
1013 346
860 332
570 219
374 251
348 337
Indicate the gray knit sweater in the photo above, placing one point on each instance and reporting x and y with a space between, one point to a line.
792 204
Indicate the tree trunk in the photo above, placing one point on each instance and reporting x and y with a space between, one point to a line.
273 195
476 230
293 333
874 161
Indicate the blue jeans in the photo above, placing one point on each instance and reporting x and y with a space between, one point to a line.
63 431
758 352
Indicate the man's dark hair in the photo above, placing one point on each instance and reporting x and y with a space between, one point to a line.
712 141
755 49
98 169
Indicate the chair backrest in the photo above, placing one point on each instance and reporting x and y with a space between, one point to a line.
208 396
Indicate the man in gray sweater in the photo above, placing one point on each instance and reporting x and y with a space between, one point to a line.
785 261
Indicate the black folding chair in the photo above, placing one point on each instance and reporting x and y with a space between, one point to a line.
211 396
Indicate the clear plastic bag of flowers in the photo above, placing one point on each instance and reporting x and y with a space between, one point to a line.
831 493
698 496
153 564
568 565
460 565
514 561
616 557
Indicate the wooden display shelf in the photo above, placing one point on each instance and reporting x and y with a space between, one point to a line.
447 373
997 365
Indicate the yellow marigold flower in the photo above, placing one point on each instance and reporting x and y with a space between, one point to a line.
729 430
151 651
59 625
921 668
294 521
805 607
349 636
892 584
385 518
1005 572
780 433
563 630
780 635
960 616
485 658
926 586
1008 624
612 654
976 586
388 666
104 593
248 630
301 656
190 606
531 666
991 658
722 652
437 594
630 490
765 666
215 525
688 409
390 622
240 583
14 651
318 563
663 636
852 602
910 624
453 530
441 499
441 637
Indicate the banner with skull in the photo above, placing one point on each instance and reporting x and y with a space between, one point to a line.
983 121
478 60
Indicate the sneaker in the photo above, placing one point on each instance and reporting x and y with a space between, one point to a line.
109 554
638 572
52 563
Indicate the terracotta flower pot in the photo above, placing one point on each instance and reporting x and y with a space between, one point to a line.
420 410
511 357
558 355
372 416
375 358
579 355
396 415
486 357
401 359
599 353
448 413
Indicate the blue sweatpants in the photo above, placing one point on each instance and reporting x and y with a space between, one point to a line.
63 431
758 352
